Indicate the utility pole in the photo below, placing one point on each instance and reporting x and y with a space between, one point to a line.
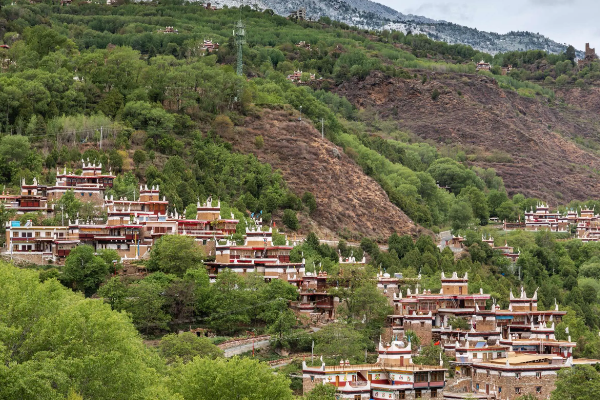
101 137
62 214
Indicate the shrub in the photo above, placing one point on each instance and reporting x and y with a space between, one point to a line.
259 141
290 220
309 200
435 94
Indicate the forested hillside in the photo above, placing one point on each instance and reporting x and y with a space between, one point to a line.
396 137
167 109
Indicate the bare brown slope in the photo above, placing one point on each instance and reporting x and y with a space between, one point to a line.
472 111
348 200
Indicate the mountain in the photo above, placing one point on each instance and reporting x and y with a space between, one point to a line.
367 14
487 42
540 148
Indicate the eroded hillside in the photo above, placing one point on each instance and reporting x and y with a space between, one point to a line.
540 147
348 201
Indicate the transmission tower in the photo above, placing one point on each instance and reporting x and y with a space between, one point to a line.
240 39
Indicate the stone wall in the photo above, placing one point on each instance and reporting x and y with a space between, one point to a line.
485 324
308 383
527 383
421 328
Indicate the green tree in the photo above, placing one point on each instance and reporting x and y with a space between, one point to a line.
114 293
401 244
43 40
322 392
229 302
186 346
175 254
282 327
478 202
570 54
458 323
414 339
507 211
580 382
340 340
290 220
14 148
83 270
145 302
460 215
139 157
59 341
191 211
225 379
309 200
367 304
431 355
111 104
69 207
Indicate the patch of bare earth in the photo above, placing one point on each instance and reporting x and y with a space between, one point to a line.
349 203
472 111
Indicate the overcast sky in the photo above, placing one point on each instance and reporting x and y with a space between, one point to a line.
565 21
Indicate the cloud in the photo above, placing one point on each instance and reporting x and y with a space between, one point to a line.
445 11
565 21
552 3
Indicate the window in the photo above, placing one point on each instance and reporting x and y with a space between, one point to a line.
433 393
437 376
418 394
538 389
517 390
37 234
488 373
477 386
312 378
421 377
422 324
518 375
401 395
499 389
499 355
538 375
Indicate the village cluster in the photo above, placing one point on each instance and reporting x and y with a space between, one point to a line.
586 222
501 354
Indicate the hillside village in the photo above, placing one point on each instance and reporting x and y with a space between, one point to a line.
202 201
516 346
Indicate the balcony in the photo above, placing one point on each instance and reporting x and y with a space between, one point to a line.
303 305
